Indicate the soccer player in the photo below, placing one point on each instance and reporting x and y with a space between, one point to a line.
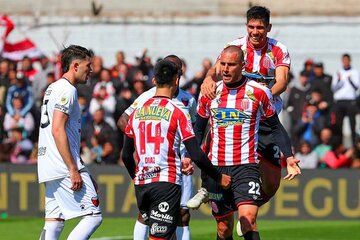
269 58
70 191
187 102
156 129
234 116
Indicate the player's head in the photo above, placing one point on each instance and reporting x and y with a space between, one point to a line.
77 59
177 61
231 64
258 25
166 73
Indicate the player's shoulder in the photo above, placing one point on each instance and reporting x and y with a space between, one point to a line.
258 86
184 95
275 42
239 42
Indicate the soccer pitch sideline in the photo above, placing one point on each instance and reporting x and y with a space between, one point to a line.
121 228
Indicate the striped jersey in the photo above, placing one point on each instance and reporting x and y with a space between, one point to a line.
264 60
183 100
158 126
234 119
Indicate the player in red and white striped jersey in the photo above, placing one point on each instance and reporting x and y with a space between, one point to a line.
187 102
156 129
234 116
270 59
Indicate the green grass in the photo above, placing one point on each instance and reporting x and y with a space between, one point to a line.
118 228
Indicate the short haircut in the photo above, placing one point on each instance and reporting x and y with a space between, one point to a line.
178 62
233 48
165 72
260 13
346 55
72 53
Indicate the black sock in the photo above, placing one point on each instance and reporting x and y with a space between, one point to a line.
228 238
252 235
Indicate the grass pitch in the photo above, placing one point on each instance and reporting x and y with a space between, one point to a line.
121 228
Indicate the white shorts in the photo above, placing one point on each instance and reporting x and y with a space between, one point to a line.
186 190
62 202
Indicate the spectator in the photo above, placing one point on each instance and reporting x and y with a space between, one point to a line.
120 69
27 69
21 147
339 156
106 101
106 80
297 99
345 83
308 69
40 80
309 126
356 161
17 120
308 158
324 145
322 82
22 89
99 127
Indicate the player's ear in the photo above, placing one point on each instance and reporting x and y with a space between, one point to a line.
153 81
269 27
76 66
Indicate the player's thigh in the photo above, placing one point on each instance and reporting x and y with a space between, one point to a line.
186 190
164 209
270 176
79 203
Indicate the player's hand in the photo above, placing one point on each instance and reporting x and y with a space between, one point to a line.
225 181
187 167
76 180
293 168
208 87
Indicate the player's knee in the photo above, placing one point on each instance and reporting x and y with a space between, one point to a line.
248 222
224 230
184 219
52 230
96 219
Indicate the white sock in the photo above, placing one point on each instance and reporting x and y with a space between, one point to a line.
85 227
183 233
141 231
52 230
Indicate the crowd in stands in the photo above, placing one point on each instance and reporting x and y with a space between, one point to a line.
316 103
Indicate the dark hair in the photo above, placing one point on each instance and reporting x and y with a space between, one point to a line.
72 53
346 55
165 72
178 62
258 12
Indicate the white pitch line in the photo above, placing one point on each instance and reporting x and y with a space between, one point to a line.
114 238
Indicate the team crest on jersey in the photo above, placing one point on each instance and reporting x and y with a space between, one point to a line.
245 104
188 127
251 95
229 116
95 201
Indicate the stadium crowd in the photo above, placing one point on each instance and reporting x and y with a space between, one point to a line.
315 103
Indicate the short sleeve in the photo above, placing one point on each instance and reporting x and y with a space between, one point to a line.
185 125
203 108
65 101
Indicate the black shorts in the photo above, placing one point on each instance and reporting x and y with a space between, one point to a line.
245 189
159 205
267 148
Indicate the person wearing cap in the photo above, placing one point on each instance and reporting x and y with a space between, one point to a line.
322 82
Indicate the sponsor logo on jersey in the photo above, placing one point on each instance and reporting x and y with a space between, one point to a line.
229 116
95 201
149 172
155 228
153 113
163 207
64 100
250 95
163 217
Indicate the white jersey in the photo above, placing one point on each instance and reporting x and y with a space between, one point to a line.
183 100
59 96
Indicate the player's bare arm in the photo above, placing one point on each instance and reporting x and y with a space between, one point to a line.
61 140
122 122
282 80
208 86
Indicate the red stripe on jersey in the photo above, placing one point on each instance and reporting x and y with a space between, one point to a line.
264 63
171 156
222 130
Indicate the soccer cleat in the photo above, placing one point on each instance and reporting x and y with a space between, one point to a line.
238 229
201 197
